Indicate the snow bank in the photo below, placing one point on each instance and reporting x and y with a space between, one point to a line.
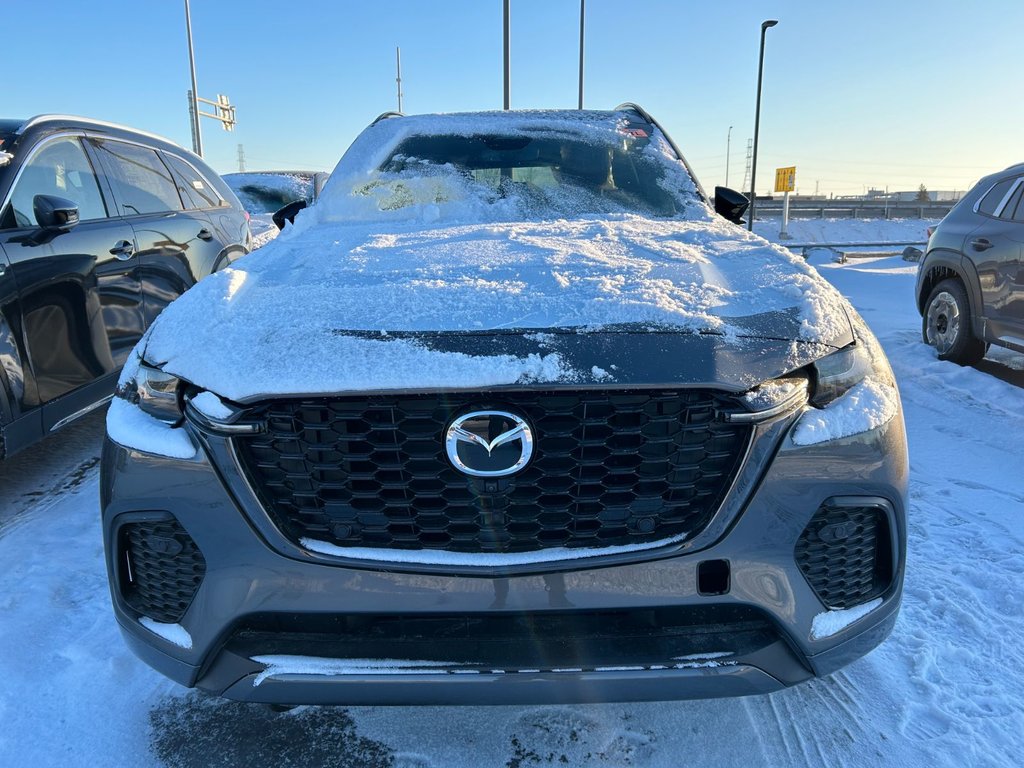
265 193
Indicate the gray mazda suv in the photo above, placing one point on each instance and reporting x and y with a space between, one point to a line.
509 415
970 281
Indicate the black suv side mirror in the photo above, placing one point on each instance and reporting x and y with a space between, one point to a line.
731 204
288 213
54 214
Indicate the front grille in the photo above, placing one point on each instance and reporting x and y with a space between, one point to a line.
609 468
161 568
845 554
517 640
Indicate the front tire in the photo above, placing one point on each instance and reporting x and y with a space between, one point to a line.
946 324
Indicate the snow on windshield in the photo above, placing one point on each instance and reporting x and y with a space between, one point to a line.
509 167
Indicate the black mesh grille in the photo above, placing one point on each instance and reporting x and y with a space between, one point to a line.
161 569
609 468
845 554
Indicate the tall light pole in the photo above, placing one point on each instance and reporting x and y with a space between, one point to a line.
583 13
508 65
197 137
728 144
757 121
398 63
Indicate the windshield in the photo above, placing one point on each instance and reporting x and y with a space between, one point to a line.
516 172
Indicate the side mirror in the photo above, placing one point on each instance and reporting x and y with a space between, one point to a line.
54 214
288 213
731 204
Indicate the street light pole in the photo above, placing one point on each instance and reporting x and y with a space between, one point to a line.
757 121
728 145
583 13
508 65
197 137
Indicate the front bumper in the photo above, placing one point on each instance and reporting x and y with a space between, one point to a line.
251 575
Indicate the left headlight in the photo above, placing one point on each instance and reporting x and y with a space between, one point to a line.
837 373
159 394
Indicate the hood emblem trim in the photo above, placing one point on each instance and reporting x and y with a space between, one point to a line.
456 433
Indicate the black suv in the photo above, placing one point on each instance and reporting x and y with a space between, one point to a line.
101 227
970 284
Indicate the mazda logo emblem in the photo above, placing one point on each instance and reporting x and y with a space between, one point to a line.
489 443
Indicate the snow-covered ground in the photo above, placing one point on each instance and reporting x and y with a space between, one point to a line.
947 689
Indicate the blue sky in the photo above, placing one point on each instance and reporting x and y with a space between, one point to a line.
856 94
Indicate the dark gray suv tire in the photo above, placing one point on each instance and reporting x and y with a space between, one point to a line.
946 324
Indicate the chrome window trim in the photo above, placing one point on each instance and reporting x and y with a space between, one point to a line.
1002 203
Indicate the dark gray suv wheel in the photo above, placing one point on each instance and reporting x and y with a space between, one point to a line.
946 324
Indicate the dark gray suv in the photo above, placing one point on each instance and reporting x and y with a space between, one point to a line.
970 283
508 415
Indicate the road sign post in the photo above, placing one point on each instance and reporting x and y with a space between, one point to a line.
785 182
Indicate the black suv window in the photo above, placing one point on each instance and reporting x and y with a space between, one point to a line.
195 190
1012 204
990 202
140 179
61 169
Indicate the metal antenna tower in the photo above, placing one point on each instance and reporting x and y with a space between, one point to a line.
750 157
241 159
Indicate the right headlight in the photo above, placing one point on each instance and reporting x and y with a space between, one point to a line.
837 373
156 393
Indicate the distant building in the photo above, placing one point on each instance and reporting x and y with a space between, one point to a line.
936 196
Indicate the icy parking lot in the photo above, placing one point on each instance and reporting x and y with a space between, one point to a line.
946 689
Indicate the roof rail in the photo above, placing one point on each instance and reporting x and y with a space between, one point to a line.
89 121
385 116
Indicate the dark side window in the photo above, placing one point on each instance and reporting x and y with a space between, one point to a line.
195 190
60 169
141 181
990 202
1012 204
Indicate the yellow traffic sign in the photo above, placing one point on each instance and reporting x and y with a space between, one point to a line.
785 179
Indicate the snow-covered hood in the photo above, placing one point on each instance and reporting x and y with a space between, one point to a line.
613 300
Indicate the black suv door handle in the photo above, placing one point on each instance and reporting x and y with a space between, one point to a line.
123 250
205 234
981 244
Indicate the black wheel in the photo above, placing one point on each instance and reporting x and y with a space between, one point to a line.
946 324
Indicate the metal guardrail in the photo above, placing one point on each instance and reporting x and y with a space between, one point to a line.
856 209
842 250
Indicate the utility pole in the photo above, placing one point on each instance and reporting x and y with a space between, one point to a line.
583 13
728 144
197 136
746 172
241 159
508 68
398 63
